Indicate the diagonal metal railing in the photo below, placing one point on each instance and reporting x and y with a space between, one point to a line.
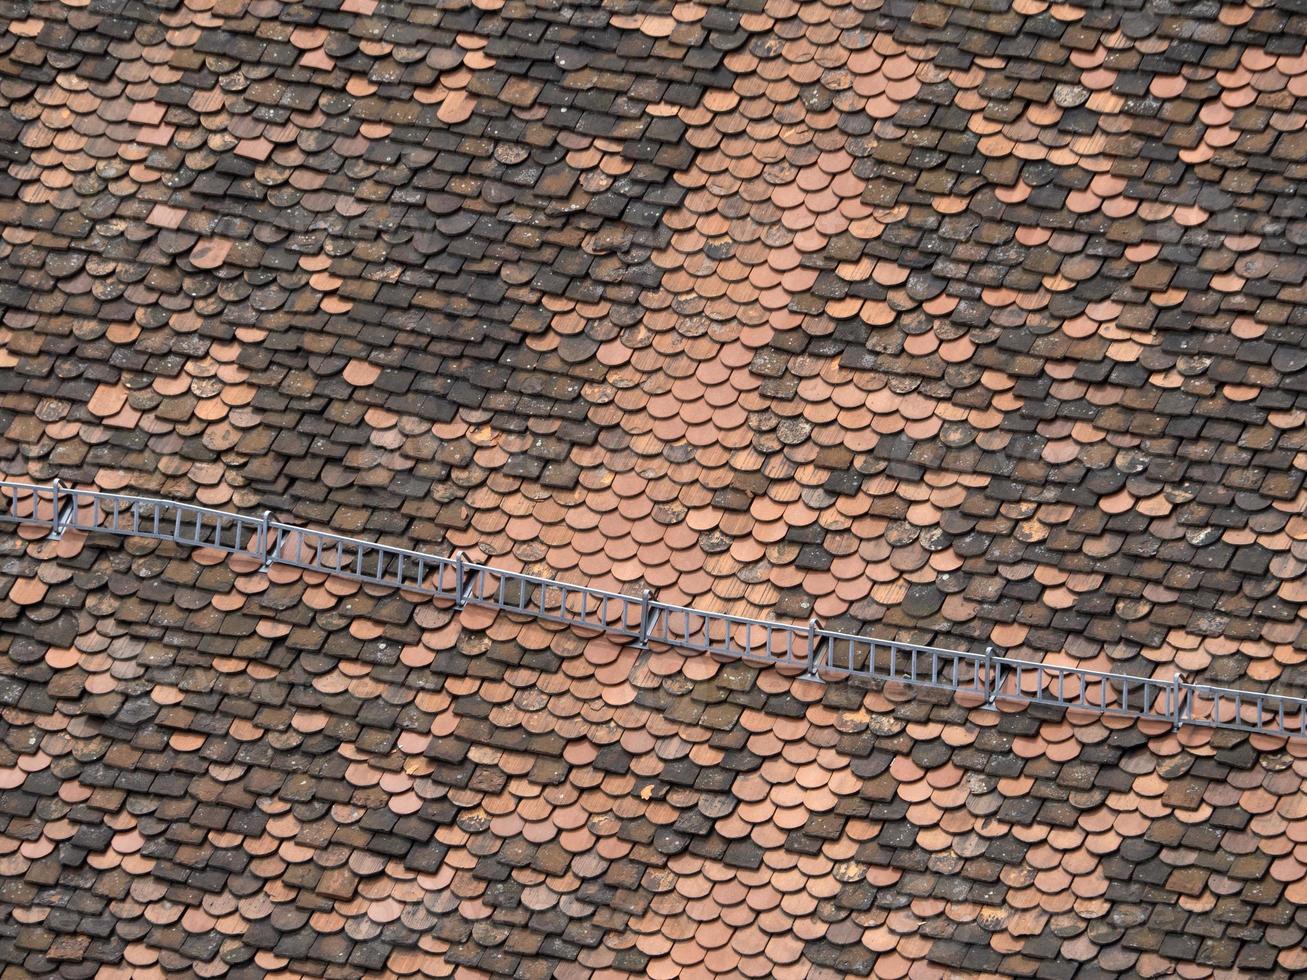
821 654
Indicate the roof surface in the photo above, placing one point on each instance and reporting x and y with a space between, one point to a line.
978 323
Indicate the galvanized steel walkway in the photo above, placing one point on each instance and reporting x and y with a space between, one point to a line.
821 654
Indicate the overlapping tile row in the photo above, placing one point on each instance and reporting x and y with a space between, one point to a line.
207 773
943 319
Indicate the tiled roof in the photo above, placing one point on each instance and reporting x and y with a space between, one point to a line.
978 323
330 782
984 321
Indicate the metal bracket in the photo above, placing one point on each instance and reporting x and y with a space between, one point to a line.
992 668
1178 701
647 616
64 511
462 587
812 671
266 556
